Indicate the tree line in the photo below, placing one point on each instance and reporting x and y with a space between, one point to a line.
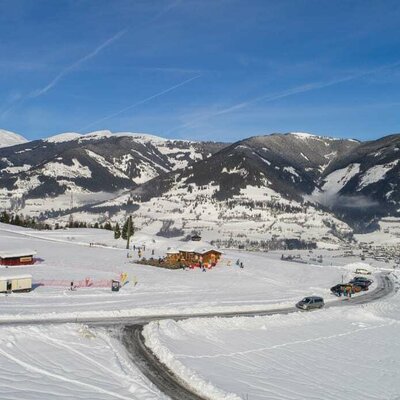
128 229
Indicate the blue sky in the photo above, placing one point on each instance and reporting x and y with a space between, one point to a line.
200 69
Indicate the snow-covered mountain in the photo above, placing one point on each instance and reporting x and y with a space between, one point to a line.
294 185
96 163
8 138
364 183
289 164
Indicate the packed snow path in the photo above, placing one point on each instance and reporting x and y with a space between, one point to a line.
175 387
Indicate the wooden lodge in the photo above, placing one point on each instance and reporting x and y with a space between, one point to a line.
173 256
188 256
19 257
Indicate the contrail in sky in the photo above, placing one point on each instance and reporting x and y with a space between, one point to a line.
285 93
68 69
147 99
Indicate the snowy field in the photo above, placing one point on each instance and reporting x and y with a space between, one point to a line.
279 357
337 353
265 282
67 362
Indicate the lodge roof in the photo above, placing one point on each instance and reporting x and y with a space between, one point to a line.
17 253
200 250
22 276
173 251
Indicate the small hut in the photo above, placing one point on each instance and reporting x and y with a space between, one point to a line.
18 257
15 283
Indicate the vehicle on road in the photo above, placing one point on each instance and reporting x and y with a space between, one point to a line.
311 302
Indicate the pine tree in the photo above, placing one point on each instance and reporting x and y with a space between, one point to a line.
5 217
17 220
128 227
117 232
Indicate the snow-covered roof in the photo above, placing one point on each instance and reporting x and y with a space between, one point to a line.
173 251
20 276
17 253
199 249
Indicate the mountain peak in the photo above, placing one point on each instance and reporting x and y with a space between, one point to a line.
8 138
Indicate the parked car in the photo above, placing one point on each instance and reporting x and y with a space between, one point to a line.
345 288
362 271
310 302
362 282
361 279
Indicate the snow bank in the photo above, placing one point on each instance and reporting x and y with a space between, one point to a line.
204 388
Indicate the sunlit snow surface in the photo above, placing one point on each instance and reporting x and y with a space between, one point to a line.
333 354
283 357
265 282
67 362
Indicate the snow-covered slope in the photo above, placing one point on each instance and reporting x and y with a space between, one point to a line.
269 175
99 162
364 183
8 138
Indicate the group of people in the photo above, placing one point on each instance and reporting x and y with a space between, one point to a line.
239 263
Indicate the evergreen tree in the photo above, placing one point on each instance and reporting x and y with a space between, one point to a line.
117 232
17 220
128 227
5 217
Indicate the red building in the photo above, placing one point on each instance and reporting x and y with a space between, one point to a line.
19 257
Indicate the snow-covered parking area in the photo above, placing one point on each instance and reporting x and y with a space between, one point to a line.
337 353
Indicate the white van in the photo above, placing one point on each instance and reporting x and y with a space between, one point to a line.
362 271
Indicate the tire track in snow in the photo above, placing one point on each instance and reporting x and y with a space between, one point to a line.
49 374
296 342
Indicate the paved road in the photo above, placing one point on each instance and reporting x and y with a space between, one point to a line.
171 385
